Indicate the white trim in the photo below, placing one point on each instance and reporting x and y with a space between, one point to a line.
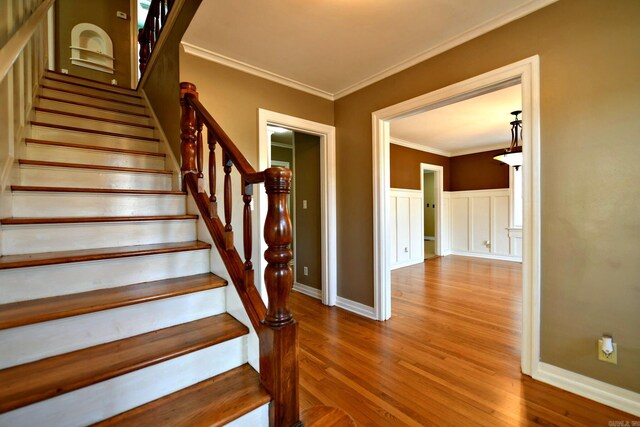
477 31
253 70
478 149
485 256
439 190
356 307
281 145
173 162
12 49
527 72
419 147
51 37
328 239
133 27
432 150
307 290
616 397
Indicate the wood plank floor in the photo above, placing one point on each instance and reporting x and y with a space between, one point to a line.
449 355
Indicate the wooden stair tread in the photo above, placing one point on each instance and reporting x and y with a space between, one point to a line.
100 119
87 166
84 104
80 85
133 104
95 190
63 257
84 219
213 402
46 378
92 147
98 132
56 73
44 309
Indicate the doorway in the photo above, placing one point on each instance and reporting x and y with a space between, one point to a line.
525 72
324 135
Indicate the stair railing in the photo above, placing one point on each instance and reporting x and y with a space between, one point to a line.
277 330
149 34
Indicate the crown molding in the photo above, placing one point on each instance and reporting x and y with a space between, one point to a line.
452 42
483 149
256 71
432 150
419 147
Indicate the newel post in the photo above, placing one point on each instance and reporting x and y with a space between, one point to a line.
279 339
188 144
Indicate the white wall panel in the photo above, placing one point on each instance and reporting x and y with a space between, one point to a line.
403 228
406 226
460 224
500 243
480 224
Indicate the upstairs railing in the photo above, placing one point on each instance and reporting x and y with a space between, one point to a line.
149 34
277 330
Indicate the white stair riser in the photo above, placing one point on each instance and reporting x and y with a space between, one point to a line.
61 119
20 284
90 91
40 340
32 204
259 417
55 153
79 137
92 178
108 398
35 238
87 99
89 111
72 79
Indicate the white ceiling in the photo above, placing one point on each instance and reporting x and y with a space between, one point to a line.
473 125
334 47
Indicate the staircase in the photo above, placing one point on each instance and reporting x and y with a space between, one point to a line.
110 313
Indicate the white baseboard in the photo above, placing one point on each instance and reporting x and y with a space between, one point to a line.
485 256
307 290
407 263
616 397
356 307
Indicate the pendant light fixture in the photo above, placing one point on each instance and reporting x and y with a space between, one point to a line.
513 155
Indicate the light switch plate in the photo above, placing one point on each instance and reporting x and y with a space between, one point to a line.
121 15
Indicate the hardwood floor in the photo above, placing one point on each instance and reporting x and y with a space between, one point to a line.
449 355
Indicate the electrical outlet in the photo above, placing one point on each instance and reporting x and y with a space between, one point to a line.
305 270
114 82
304 204
611 358
64 71
121 15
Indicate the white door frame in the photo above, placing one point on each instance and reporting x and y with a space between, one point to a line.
526 72
439 181
327 136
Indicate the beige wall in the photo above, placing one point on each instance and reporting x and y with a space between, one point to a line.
102 13
308 237
589 63
233 98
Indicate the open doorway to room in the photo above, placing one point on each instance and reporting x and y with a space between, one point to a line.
478 220
309 149
429 209
300 152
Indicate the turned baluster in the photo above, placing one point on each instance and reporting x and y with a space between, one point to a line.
199 155
143 40
228 229
187 131
247 230
213 202
279 340
163 12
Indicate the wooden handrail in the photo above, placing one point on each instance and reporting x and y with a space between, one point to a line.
276 328
150 33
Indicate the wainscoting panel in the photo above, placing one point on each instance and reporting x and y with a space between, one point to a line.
406 227
476 223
